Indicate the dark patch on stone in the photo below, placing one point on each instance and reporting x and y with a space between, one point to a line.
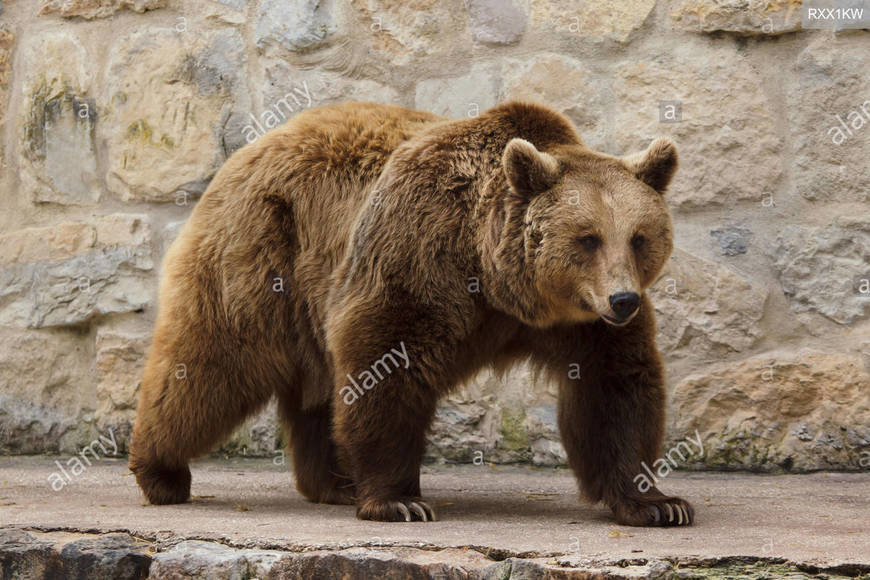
733 240
110 556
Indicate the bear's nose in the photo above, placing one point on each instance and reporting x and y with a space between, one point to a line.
624 303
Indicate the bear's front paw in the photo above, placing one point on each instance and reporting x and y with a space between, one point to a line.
656 511
401 510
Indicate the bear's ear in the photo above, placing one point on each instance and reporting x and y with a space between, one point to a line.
656 165
528 170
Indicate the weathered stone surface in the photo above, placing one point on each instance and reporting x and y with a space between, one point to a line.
235 4
704 310
743 17
289 90
732 240
830 128
57 131
460 97
799 412
827 270
6 40
727 138
403 31
496 21
175 109
90 9
49 244
171 231
498 420
594 20
101 267
120 360
197 559
563 83
259 436
47 397
117 556
24 556
106 556
295 25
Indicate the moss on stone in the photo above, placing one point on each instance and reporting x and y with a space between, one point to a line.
141 131
515 437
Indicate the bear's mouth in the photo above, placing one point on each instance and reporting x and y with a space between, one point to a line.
616 321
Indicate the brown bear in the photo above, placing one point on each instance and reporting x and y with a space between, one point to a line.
362 260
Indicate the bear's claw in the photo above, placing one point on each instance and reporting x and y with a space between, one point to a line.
662 511
403 510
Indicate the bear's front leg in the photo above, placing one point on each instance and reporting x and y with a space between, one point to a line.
612 419
384 401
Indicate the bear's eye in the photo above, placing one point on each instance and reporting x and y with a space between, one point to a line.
637 242
590 242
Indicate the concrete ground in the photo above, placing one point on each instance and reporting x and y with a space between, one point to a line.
494 522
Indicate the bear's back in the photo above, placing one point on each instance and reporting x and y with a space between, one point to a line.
275 221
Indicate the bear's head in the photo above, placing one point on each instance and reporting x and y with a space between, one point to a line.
582 234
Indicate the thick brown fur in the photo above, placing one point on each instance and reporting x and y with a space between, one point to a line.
356 230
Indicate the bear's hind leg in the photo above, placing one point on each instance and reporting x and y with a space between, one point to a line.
185 409
315 460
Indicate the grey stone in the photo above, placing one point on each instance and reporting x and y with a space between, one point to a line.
259 436
171 231
789 411
120 361
543 429
46 400
194 559
743 17
108 277
176 103
288 90
496 21
826 270
106 556
58 127
235 4
733 240
90 9
563 83
206 560
705 311
591 20
116 556
403 32
457 433
728 141
23 556
460 97
294 25
830 128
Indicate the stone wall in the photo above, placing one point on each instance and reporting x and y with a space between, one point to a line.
116 113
